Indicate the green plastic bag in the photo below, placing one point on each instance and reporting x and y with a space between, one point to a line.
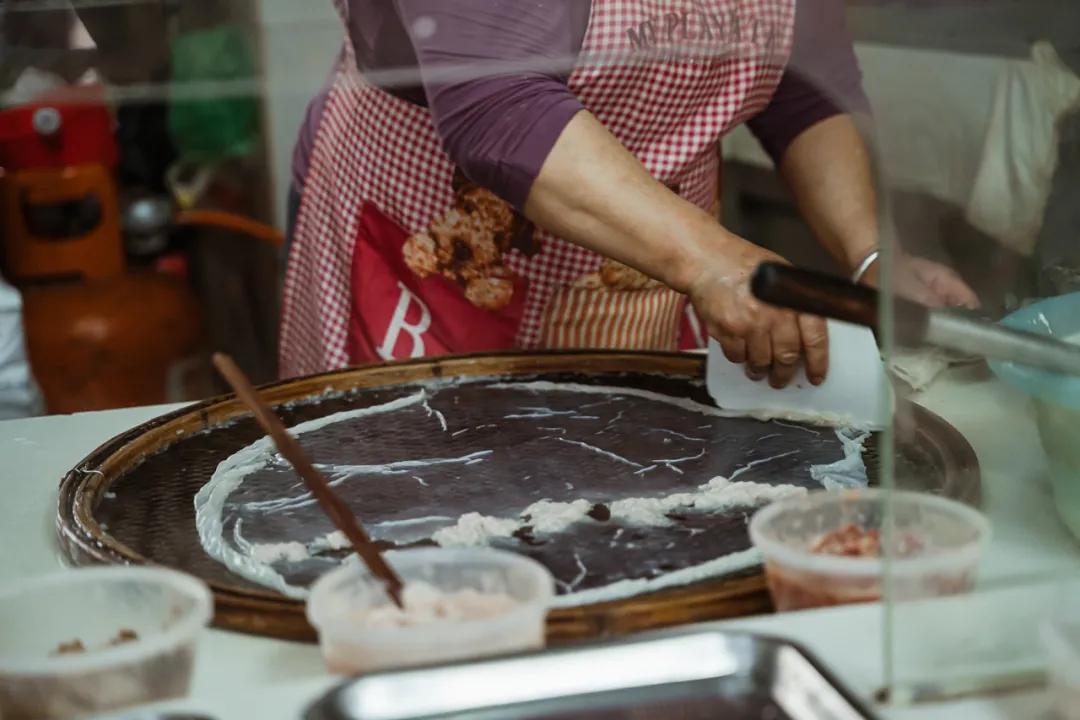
223 124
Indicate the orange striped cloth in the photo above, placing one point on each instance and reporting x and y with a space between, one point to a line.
601 317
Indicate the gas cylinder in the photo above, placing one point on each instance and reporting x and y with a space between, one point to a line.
99 334
109 343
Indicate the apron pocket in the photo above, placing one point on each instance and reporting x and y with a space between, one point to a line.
601 317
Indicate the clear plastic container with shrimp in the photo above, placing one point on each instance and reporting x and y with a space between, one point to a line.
831 547
459 603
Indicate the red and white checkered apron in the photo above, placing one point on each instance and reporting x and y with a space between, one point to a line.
667 77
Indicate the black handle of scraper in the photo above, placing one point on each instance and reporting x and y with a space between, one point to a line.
815 293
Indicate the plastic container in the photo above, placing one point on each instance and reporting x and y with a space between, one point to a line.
942 543
341 595
137 627
1057 399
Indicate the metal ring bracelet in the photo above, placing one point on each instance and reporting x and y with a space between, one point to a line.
869 260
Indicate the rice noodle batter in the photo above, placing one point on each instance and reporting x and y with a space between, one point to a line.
424 604
616 490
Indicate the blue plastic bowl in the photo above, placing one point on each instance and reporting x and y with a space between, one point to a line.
1057 399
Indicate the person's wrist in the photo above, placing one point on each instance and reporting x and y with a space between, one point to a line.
872 276
855 251
706 246
864 266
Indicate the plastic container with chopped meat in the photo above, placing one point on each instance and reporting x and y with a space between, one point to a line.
91 640
831 547
459 603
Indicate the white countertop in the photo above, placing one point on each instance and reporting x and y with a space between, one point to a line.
245 676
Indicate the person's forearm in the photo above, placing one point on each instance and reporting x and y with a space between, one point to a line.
595 193
827 169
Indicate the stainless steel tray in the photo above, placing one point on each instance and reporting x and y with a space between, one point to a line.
685 675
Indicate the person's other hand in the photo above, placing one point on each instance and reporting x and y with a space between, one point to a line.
771 341
929 283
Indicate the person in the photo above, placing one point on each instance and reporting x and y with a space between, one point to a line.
552 180
19 393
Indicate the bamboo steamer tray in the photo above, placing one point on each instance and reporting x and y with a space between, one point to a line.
172 456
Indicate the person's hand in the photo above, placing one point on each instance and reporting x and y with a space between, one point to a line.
771 341
927 282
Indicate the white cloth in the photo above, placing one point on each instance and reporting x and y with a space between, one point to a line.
974 131
1020 152
33 82
19 396
30 84
918 368
931 111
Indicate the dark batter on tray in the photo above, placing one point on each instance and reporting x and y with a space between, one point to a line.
495 451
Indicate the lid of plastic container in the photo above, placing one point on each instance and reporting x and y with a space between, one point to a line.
1057 317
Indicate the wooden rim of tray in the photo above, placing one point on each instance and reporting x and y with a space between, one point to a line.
265 612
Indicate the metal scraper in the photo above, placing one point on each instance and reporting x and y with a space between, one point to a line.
913 324
856 391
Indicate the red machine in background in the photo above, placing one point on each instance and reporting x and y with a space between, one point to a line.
99 334
60 210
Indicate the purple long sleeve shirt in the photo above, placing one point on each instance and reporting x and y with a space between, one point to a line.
498 128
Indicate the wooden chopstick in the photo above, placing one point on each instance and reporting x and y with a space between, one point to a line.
338 512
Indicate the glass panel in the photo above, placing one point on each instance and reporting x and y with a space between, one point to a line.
976 116
144 147
976 111
155 156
